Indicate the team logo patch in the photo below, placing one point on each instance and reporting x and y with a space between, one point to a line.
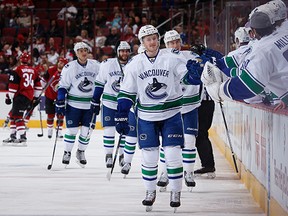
85 85
143 136
107 118
156 90
69 122
116 85
132 128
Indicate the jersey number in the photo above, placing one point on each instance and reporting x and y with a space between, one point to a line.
28 80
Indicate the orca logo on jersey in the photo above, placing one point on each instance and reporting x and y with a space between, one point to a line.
143 136
116 85
85 85
156 87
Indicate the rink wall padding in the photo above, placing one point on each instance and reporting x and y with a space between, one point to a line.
260 140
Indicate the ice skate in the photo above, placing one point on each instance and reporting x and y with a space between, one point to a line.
125 169
149 200
189 180
60 136
205 170
109 160
163 182
66 158
81 160
50 132
175 200
13 141
121 160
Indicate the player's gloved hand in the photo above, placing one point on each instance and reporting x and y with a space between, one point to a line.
95 106
209 53
35 101
121 123
198 49
60 107
8 100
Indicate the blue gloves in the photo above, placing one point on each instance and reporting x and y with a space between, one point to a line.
60 107
95 106
209 53
121 123
8 100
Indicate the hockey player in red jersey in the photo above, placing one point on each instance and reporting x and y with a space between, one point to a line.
52 76
24 85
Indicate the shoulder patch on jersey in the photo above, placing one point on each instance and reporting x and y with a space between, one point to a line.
175 51
67 65
105 60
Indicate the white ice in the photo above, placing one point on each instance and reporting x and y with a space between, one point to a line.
28 188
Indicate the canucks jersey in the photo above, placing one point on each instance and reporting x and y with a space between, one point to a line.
265 66
191 93
79 81
109 78
155 83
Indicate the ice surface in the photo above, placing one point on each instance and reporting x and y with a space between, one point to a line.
28 188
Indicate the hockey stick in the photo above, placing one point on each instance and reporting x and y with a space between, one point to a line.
109 174
229 139
91 127
39 97
54 148
41 124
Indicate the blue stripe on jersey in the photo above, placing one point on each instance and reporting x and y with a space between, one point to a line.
97 93
237 90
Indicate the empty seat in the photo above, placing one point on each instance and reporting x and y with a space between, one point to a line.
9 31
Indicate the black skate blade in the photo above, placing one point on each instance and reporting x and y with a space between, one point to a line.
80 164
149 208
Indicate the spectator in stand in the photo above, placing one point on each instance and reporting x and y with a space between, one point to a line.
39 44
134 50
100 19
7 49
71 28
38 28
116 22
51 44
100 39
113 37
183 35
132 24
85 36
20 42
52 56
11 19
24 19
70 10
54 30
4 66
128 35
84 21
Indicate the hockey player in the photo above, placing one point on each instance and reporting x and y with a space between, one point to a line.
264 66
108 85
153 77
24 85
189 111
52 76
76 87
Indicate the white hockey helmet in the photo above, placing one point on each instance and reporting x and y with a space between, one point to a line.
268 9
123 45
147 30
171 36
280 9
81 45
242 34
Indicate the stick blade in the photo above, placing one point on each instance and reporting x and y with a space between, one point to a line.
49 166
108 176
40 135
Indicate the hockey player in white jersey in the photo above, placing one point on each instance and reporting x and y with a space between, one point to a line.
189 111
108 86
153 78
75 91
265 66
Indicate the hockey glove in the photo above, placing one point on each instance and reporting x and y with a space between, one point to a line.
60 107
209 53
8 100
121 123
198 49
195 69
95 106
